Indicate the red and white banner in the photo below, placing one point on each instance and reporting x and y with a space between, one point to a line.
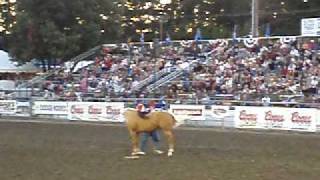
96 111
303 119
188 112
8 107
276 118
248 117
50 108
296 119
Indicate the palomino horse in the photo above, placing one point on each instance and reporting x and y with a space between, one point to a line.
154 120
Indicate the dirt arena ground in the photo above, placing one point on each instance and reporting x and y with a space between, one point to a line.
59 151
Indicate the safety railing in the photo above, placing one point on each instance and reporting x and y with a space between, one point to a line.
50 73
150 79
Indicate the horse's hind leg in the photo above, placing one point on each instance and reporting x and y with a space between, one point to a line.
170 138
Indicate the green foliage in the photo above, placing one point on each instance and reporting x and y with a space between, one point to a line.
216 18
56 30
59 30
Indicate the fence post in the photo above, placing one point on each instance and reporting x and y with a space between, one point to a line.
31 107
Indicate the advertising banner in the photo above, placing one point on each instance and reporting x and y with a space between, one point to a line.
248 117
220 112
310 27
275 118
96 111
303 119
50 108
188 112
296 119
8 107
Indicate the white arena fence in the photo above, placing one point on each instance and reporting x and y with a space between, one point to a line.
240 117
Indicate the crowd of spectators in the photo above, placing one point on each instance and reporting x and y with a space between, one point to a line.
110 74
269 67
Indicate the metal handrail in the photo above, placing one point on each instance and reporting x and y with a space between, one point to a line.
150 79
76 59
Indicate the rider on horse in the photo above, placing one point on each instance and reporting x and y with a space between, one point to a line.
144 108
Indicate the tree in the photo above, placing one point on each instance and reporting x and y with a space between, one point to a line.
56 30
216 18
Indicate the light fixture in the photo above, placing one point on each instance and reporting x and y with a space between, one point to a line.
164 2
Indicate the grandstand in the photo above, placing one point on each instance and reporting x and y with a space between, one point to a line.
246 107
246 69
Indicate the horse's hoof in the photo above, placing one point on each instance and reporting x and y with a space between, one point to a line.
158 151
170 152
131 157
138 153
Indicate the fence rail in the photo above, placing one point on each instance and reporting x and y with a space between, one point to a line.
218 116
226 116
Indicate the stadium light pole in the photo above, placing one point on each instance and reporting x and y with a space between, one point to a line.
163 18
157 42
255 18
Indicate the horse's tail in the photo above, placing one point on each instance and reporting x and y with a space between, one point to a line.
173 119
175 122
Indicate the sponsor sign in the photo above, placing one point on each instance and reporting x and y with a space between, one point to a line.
188 112
303 119
8 107
276 118
310 27
50 108
96 111
247 117
220 112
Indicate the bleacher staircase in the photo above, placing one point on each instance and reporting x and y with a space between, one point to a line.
149 80
166 79
163 77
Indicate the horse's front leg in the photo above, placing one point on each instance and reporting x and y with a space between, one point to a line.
170 139
134 141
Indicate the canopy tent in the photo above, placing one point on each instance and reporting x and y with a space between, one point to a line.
7 66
